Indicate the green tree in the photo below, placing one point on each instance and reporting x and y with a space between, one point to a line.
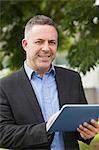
78 26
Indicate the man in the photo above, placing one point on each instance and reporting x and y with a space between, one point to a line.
30 97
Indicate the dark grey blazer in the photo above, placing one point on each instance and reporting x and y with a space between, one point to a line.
22 124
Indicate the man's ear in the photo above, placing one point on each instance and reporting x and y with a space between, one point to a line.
24 44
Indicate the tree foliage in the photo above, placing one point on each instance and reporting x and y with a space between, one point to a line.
77 22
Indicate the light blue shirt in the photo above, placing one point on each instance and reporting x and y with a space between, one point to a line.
46 92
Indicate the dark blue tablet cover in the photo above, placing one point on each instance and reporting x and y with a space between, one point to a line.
71 116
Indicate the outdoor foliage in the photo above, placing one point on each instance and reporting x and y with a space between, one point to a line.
78 24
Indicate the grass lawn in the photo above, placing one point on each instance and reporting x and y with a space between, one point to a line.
94 145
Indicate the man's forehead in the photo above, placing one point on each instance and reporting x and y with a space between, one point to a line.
40 28
43 32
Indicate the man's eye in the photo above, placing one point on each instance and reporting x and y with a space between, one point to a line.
52 43
38 42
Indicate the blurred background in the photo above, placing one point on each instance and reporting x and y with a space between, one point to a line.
78 25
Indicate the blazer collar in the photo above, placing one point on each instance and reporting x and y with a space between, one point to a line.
30 94
61 87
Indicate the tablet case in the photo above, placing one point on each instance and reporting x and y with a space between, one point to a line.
71 116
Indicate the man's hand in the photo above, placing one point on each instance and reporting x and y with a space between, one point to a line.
51 120
88 131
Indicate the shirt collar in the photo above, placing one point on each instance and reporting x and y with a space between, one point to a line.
30 71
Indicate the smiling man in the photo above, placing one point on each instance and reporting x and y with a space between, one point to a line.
31 97
40 46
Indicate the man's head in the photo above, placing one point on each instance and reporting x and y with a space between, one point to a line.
40 43
38 20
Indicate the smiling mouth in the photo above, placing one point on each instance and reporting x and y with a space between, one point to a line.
45 56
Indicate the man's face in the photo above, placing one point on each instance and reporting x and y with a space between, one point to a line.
41 47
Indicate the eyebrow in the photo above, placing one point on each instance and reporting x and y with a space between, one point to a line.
44 40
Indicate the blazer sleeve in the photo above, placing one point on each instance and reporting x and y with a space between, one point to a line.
82 101
18 136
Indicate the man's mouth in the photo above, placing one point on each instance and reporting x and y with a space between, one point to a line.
44 56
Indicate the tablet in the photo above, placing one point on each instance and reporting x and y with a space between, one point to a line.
71 116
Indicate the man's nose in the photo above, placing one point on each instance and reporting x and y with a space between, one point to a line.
46 46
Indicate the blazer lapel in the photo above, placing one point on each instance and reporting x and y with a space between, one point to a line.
30 95
63 90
